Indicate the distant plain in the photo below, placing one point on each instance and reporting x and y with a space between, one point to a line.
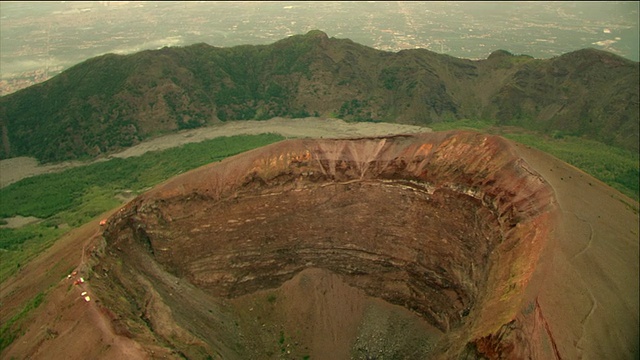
39 39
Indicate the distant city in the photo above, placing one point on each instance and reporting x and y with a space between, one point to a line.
41 39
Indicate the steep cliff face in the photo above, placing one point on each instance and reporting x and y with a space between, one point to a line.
447 225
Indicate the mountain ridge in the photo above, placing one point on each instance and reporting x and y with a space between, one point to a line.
115 101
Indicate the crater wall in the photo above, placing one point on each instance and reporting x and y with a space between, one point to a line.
449 225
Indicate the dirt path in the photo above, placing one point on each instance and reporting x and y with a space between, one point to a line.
592 290
55 327
15 169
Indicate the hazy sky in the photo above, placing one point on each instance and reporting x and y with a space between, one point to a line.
39 35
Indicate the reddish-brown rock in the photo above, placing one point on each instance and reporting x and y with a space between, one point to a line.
438 245
447 225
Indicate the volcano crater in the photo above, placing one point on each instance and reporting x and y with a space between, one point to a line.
447 225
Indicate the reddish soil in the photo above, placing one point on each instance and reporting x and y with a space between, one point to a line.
438 245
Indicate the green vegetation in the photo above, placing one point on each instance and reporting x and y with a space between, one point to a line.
12 239
616 167
271 298
9 330
356 111
389 77
77 195
104 104
89 190
465 124
100 98
246 93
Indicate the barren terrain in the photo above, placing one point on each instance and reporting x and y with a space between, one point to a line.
435 245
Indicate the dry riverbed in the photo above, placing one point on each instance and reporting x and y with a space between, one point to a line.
15 169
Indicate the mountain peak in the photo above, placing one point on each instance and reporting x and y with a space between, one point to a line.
499 53
113 102
316 34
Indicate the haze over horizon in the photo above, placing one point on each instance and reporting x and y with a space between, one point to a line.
42 39
313 180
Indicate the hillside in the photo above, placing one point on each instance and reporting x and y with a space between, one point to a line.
115 101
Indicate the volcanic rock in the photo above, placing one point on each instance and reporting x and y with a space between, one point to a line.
447 226
451 245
